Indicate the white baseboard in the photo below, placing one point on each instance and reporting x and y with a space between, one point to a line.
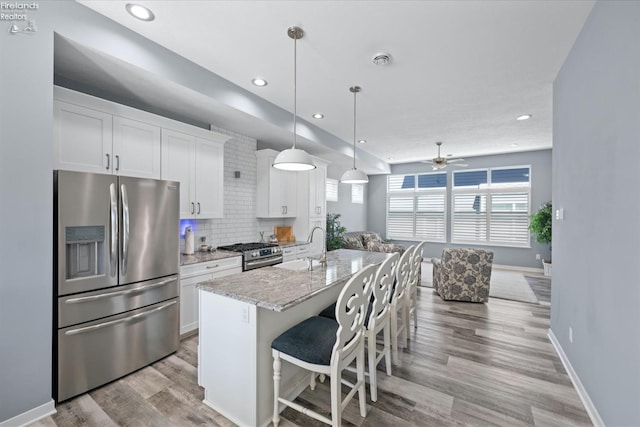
582 392
31 416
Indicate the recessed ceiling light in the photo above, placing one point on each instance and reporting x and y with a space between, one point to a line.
524 117
362 141
259 82
140 12
389 158
318 116
514 145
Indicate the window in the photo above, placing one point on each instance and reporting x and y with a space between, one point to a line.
332 190
416 206
357 193
491 206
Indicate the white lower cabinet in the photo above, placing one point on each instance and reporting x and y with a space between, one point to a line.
290 253
190 276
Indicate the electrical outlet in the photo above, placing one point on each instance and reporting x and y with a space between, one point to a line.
244 314
538 257
570 334
203 239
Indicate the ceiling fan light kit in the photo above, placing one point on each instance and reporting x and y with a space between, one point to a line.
354 176
294 159
440 162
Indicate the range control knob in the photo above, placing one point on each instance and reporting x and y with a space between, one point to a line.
254 254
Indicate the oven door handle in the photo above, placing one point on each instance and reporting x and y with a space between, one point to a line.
263 262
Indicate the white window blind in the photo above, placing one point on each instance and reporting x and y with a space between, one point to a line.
332 190
416 206
357 193
491 206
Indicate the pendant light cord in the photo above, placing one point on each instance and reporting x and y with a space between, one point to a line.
354 128
295 92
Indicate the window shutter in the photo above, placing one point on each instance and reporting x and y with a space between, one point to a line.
400 217
469 218
357 193
430 217
332 190
510 219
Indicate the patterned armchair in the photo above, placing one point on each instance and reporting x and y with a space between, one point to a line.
369 241
463 274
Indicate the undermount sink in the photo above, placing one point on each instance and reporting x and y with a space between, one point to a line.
298 264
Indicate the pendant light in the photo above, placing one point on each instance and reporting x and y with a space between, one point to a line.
354 176
294 159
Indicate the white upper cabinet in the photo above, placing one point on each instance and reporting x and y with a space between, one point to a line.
317 190
277 189
178 164
209 179
82 139
198 164
88 140
136 148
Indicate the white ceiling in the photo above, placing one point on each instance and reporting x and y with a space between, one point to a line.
462 71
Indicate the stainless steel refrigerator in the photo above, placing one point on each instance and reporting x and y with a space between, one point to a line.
116 260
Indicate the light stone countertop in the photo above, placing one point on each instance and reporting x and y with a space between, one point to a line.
296 243
206 256
279 289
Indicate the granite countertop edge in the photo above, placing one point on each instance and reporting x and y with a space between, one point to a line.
200 256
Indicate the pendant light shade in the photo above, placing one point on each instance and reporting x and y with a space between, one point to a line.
354 176
294 159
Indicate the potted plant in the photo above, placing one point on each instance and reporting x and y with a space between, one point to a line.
334 232
540 227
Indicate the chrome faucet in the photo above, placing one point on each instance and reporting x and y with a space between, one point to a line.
323 257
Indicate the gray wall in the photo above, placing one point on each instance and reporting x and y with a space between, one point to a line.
540 162
596 273
354 215
26 186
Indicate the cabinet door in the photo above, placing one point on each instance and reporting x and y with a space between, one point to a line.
136 148
82 139
209 179
178 164
289 194
317 192
189 302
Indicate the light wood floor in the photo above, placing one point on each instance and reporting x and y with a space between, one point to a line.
467 364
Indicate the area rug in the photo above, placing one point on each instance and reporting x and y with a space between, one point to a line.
541 286
504 284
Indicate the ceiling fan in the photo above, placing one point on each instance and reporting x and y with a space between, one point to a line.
441 162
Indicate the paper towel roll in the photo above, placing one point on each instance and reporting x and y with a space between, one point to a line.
188 241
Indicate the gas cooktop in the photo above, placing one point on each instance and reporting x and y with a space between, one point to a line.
242 247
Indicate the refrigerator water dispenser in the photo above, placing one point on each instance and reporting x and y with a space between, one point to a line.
85 249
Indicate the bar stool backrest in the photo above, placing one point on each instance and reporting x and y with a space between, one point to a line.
351 310
403 272
382 288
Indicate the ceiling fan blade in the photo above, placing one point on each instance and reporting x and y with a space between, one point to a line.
462 165
427 161
455 160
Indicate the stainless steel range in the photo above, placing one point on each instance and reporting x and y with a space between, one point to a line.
256 255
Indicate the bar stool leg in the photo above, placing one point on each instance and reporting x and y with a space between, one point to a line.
277 365
312 381
336 397
372 356
387 347
362 389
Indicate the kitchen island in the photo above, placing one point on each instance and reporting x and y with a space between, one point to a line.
241 314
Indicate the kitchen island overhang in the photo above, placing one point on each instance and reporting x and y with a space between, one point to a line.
241 314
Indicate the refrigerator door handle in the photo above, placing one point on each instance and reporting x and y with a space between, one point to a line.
113 242
125 230
114 322
113 294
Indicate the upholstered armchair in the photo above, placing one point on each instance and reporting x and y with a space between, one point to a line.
463 274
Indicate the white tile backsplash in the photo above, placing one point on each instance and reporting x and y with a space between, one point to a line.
239 223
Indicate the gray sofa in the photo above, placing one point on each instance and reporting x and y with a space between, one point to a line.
369 241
